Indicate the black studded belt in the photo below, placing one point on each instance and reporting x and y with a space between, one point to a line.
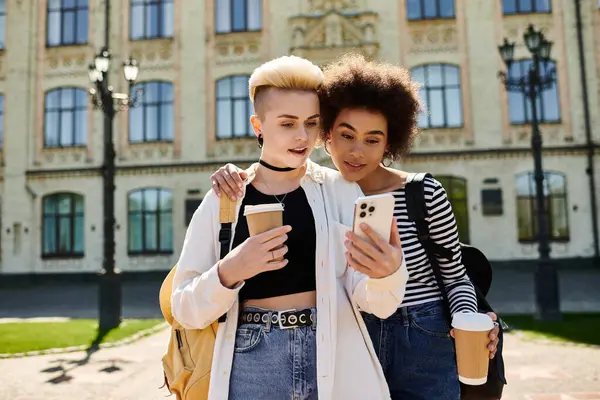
289 319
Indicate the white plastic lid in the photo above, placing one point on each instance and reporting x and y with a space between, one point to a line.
474 322
261 208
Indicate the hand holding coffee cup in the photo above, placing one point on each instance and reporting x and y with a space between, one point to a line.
262 251
494 335
471 335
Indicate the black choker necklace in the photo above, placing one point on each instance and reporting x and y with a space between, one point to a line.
274 168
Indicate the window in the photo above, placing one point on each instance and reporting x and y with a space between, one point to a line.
63 234
233 108
429 9
67 22
191 205
555 194
151 19
65 117
2 24
548 109
526 6
441 95
456 190
1 120
150 221
152 119
237 15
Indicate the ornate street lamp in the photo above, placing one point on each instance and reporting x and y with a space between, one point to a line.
104 98
532 84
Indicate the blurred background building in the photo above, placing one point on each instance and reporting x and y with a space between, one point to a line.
195 58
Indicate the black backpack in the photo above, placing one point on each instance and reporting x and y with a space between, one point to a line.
479 271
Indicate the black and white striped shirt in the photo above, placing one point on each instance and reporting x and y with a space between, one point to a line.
421 287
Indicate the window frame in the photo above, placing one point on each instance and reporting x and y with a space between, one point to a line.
142 107
531 199
534 7
427 88
73 110
56 215
232 99
524 64
62 10
144 251
232 28
145 4
422 7
3 25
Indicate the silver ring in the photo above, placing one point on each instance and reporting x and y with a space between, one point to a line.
272 255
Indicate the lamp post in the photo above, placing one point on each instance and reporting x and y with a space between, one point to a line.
104 98
532 84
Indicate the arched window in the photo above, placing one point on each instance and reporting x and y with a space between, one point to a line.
65 117
555 194
456 190
152 119
67 22
441 94
150 217
151 19
63 225
548 107
233 107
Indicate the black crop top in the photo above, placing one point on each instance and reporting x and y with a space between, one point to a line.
299 274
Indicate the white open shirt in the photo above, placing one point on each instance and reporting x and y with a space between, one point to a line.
347 365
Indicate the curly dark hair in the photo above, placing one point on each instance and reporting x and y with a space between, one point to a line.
352 81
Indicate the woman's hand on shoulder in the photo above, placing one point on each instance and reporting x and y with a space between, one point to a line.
228 179
257 254
377 258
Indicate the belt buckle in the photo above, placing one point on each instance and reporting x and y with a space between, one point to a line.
279 320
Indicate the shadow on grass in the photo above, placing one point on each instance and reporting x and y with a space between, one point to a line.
66 366
577 328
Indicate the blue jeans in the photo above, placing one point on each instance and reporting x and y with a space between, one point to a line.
416 352
271 363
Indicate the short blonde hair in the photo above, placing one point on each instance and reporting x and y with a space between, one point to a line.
287 72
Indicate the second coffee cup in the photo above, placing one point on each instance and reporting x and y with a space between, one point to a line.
471 335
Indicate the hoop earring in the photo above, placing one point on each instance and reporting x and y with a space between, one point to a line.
325 147
386 155
260 141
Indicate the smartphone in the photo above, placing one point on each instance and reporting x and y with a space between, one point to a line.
377 211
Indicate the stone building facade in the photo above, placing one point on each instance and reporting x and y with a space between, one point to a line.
195 57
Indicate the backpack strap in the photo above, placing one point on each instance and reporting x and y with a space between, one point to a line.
416 208
227 216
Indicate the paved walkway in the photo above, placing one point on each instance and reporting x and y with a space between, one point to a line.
536 371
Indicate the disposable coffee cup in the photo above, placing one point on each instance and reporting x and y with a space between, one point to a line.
471 336
263 217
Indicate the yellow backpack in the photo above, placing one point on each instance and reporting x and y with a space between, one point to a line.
188 360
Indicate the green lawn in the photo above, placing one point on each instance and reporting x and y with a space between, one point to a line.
578 328
29 336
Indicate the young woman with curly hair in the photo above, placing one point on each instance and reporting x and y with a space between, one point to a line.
368 114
